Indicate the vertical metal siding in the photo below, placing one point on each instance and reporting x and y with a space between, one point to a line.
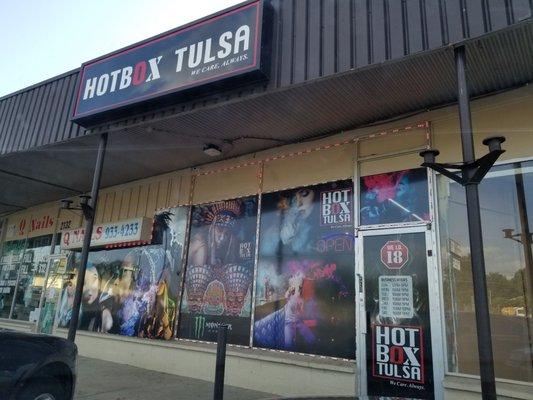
328 31
3 121
286 42
39 115
31 118
300 18
314 47
344 35
33 128
311 39
67 128
63 88
361 28
357 33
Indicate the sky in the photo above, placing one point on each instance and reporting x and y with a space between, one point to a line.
40 39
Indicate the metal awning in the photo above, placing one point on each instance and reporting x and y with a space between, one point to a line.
165 142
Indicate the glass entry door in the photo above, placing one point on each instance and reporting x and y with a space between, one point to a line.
395 351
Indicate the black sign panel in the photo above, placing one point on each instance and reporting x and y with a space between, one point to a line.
225 45
398 346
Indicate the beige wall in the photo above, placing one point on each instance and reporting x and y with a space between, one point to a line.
142 198
509 114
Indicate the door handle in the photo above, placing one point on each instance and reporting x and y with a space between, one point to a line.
360 283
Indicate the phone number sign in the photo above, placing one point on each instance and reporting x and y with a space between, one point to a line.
132 230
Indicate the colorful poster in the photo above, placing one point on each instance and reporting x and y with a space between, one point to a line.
220 270
305 284
398 346
394 197
131 291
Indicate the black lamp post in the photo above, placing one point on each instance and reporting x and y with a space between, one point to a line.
469 174
87 207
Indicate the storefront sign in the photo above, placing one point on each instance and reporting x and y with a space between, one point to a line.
17 227
41 224
133 230
398 348
225 45
399 353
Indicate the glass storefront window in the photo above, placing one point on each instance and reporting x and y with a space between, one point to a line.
130 291
9 270
506 200
305 274
394 197
32 271
220 270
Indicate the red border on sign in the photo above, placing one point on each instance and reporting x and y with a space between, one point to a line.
422 364
173 33
406 259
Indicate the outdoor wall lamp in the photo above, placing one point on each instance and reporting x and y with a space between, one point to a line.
212 150
508 234
65 204
86 209
466 173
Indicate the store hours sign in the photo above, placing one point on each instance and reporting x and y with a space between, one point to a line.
214 49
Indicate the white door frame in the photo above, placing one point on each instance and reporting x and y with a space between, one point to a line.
434 306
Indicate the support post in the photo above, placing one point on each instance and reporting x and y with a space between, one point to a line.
486 361
89 222
47 273
525 240
220 362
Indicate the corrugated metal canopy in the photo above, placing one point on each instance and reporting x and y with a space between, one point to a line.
164 141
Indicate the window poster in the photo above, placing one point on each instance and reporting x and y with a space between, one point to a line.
305 282
398 345
220 270
131 291
394 197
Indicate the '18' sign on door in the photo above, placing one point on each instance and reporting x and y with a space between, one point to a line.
394 254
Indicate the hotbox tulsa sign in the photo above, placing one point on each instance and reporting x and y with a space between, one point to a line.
220 47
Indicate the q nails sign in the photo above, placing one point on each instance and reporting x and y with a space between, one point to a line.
128 232
225 45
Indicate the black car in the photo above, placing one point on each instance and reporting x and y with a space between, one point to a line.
36 367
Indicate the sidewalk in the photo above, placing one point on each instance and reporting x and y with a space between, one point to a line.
103 380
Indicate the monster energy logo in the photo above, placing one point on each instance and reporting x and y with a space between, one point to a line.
199 327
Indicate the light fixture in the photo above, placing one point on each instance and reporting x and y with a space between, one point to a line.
212 150
84 199
66 204
86 209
